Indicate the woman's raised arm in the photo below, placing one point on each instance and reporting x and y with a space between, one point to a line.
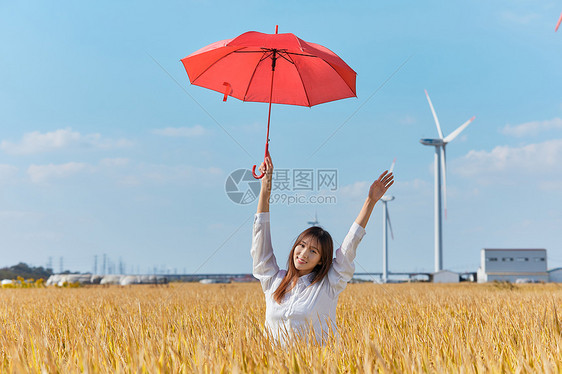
377 190
264 263
342 268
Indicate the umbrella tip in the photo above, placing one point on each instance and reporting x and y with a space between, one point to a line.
276 28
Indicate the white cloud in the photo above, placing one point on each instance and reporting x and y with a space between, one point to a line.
519 19
252 128
551 185
122 172
36 142
217 227
407 120
11 215
414 184
359 190
43 173
45 236
128 180
114 162
140 174
7 172
180 173
185 132
504 164
355 190
532 128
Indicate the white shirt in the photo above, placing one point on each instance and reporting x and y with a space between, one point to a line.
306 306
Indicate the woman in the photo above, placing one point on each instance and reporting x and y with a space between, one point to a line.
301 301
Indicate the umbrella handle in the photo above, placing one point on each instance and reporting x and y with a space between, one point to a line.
254 173
264 157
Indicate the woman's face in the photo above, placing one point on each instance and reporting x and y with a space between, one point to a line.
306 255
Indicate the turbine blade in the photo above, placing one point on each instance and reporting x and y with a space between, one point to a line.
434 116
455 133
392 166
389 224
558 24
444 171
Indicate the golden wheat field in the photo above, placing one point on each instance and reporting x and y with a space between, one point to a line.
195 328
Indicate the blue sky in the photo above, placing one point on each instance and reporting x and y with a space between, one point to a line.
105 147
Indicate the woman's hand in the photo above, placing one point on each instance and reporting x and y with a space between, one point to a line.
380 186
377 190
267 168
265 191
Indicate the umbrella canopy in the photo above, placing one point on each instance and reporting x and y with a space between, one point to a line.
271 68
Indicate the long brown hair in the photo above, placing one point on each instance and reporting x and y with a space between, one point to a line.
324 240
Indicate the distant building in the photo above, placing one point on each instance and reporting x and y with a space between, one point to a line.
445 276
555 275
512 264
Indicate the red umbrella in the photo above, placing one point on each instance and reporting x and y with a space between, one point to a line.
271 68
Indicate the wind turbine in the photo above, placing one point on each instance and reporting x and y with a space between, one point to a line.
315 222
440 160
385 226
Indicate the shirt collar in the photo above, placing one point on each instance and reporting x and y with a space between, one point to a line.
307 279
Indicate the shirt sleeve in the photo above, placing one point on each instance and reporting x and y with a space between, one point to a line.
265 266
342 268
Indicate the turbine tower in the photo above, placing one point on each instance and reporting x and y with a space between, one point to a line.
385 226
440 167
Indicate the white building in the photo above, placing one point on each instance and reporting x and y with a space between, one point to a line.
555 275
445 276
512 264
